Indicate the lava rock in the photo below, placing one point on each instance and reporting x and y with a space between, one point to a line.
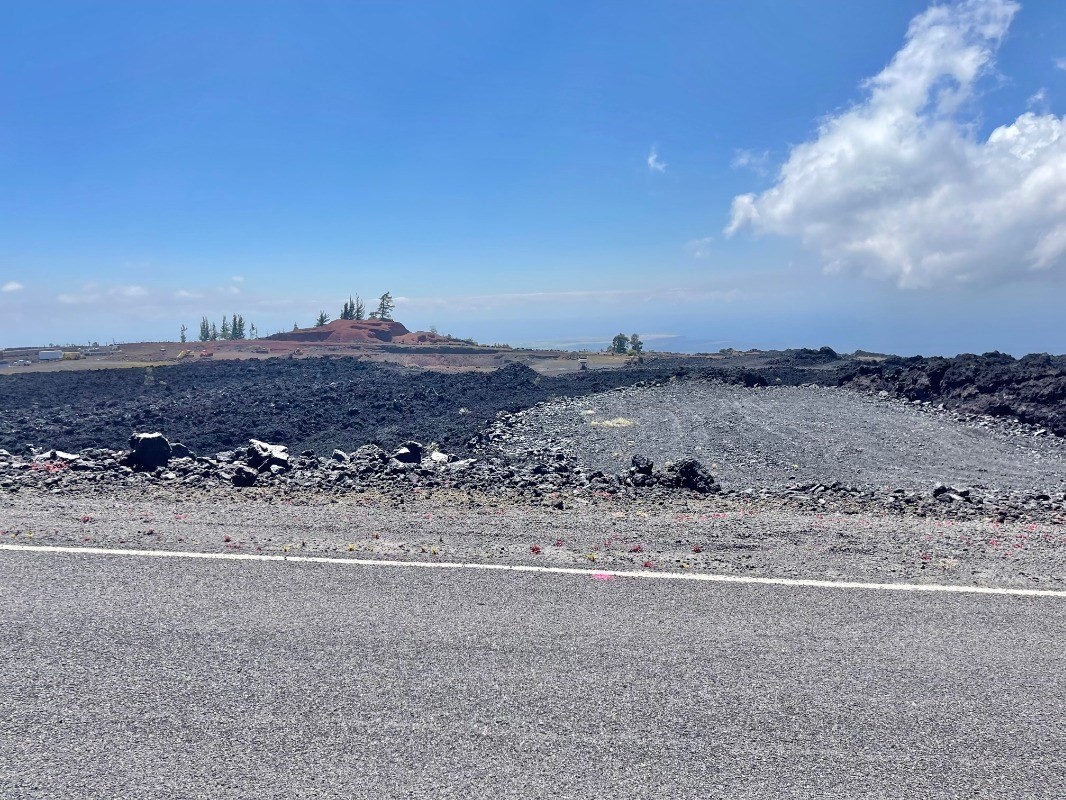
244 476
178 450
688 473
262 456
408 453
641 465
148 451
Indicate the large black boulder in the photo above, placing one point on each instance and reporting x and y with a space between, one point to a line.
409 453
244 476
688 473
148 451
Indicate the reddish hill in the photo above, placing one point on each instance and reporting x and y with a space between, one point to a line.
343 331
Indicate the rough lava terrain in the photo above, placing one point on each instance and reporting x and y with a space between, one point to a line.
658 468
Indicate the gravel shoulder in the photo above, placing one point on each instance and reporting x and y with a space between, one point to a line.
724 535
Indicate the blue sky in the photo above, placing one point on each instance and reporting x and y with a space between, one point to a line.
879 175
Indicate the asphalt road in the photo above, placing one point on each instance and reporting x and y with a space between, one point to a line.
125 676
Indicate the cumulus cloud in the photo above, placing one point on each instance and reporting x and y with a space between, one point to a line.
899 186
12 286
655 164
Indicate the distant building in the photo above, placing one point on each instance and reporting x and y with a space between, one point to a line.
50 355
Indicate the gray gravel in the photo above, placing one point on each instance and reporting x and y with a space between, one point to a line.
741 536
132 678
776 436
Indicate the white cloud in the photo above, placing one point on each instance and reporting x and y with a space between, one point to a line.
583 299
127 291
12 286
71 299
237 279
749 159
900 187
655 164
699 248
1060 63
1038 99
185 294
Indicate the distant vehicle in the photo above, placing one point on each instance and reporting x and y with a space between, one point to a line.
50 355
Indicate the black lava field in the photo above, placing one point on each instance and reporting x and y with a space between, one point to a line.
324 403
318 403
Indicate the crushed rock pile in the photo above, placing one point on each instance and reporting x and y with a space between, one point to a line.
546 476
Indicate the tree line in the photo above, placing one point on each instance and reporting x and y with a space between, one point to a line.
232 328
355 309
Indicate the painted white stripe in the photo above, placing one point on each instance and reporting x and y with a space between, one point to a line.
602 573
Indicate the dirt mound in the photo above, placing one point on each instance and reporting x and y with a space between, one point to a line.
371 331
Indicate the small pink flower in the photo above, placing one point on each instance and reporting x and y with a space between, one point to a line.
636 549
649 565
558 542
535 549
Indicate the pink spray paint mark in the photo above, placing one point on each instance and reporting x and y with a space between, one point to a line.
603 576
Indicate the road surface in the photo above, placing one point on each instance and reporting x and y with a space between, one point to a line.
130 676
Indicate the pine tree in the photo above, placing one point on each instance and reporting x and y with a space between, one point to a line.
205 329
237 330
184 330
214 332
359 309
252 331
295 327
225 332
385 306
323 318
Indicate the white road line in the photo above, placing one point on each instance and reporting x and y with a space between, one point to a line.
593 573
